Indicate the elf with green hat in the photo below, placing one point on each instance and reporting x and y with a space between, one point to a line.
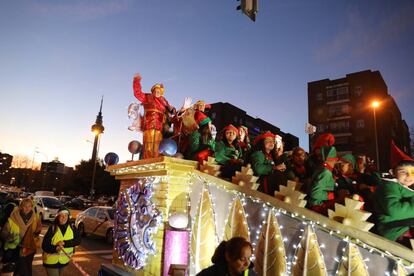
323 183
201 141
346 180
394 200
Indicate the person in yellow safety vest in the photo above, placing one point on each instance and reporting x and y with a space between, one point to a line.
20 234
231 258
59 243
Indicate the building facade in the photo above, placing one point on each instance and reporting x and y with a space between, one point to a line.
223 114
344 108
5 165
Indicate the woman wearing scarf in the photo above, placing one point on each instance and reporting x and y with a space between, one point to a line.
59 243
20 234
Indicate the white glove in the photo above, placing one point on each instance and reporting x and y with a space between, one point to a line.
187 103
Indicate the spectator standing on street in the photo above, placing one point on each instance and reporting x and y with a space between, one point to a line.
20 236
59 243
231 258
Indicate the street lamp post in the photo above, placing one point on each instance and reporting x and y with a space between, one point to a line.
375 105
34 153
97 129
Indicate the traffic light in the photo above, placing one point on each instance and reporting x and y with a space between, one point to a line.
249 8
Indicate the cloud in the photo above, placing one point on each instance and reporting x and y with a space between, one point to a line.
82 10
366 35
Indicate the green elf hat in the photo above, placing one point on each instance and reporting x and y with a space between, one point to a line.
328 153
348 158
201 118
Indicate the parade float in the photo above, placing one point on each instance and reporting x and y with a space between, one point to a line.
171 216
172 213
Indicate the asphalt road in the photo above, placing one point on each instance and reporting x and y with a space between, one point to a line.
92 252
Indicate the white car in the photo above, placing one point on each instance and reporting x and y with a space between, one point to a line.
97 221
47 207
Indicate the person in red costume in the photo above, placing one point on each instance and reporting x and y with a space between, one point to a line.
155 114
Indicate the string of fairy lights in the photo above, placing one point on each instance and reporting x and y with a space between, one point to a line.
266 206
254 232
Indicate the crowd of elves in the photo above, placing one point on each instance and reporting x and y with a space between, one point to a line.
326 178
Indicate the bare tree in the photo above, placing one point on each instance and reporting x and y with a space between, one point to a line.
21 161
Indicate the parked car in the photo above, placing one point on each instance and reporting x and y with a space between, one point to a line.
64 198
75 203
47 207
97 221
44 193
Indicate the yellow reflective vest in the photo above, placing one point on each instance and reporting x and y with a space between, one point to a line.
15 232
60 257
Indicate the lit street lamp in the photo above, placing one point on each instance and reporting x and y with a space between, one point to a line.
375 105
97 129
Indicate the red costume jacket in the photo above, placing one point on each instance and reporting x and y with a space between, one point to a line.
154 107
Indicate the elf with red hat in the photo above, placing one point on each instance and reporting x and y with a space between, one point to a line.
394 200
228 152
268 163
201 141
323 183
315 157
155 109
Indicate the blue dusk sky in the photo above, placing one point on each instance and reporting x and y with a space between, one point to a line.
58 57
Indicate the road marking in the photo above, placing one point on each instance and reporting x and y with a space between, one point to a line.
92 252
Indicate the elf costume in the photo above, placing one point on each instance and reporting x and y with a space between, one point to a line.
155 108
201 147
347 181
323 183
263 165
394 202
299 170
228 154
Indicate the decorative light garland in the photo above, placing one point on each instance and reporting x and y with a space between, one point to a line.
305 220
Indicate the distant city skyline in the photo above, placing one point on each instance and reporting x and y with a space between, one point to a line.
59 57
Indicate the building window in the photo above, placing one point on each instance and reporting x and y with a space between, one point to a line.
338 110
319 111
339 126
213 115
235 119
358 91
337 94
320 128
319 96
360 123
359 139
341 140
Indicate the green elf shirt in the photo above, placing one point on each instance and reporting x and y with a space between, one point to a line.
322 183
393 202
196 145
223 153
260 164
